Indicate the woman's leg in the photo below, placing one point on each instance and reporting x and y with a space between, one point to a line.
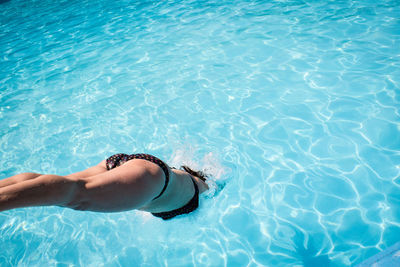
92 171
99 168
33 189
130 186
43 190
18 178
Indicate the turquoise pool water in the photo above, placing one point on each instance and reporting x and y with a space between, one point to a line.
293 105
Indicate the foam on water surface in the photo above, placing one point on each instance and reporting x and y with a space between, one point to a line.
292 105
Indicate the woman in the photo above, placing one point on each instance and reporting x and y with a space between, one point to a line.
122 182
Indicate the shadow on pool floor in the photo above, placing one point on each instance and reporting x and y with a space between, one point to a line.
309 255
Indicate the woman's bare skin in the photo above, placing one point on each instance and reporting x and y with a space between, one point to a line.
133 185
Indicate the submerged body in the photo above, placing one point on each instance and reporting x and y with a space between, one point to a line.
117 184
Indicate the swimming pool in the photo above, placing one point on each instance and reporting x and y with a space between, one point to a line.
293 105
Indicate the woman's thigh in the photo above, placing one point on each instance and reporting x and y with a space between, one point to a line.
129 186
92 171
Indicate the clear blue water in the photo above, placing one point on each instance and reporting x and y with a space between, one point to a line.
294 105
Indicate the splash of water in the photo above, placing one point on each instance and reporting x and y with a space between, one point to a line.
209 164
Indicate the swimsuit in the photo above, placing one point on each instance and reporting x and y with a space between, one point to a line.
189 207
119 159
